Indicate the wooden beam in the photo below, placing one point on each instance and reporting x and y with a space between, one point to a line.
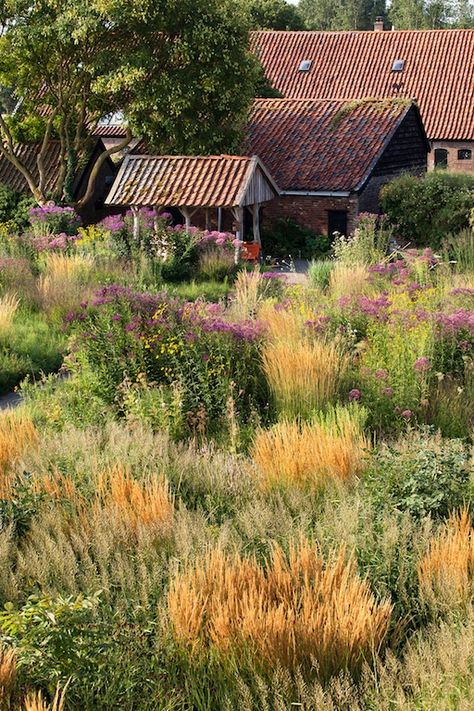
219 219
157 217
256 223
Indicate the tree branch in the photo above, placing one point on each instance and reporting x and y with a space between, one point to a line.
98 165
9 154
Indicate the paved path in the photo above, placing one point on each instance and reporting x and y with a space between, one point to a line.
7 402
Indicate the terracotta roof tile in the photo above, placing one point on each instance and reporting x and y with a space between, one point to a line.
438 70
194 181
311 145
27 154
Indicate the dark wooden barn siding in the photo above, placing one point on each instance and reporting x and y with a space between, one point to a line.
407 152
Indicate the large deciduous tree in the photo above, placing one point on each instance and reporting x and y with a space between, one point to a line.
341 14
273 15
179 70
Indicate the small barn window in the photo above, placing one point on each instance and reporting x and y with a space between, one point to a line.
464 154
441 158
398 65
305 65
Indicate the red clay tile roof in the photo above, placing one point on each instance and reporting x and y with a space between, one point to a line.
194 181
311 145
27 154
438 70
109 131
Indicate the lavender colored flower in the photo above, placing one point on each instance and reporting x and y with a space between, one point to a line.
381 374
421 365
407 414
388 392
355 395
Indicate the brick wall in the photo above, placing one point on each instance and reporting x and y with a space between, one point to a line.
311 211
458 166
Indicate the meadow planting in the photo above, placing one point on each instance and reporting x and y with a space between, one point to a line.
226 490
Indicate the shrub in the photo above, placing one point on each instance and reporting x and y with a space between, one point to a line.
367 245
303 377
446 573
427 209
293 610
124 334
285 237
422 474
331 449
54 219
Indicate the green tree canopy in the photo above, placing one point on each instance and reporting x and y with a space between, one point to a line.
341 14
273 15
179 70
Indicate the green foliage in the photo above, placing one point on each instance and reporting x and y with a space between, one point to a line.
208 290
160 63
319 273
31 348
331 15
423 475
273 15
427 209
14 208
20 506
286 237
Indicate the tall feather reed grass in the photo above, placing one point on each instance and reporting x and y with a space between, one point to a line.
292 611
137 503
247 294
9 304
349 280
303 377
332 448
446 572
7 676
17 434
281 324
61 286
34 701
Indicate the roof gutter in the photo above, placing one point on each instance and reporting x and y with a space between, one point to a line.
317 193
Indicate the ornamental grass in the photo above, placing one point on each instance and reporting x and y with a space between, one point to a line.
61 287
291 612
34 701
281 324
137 504
7 676
331 449
446 573
303 377
349 280
17 434
9 304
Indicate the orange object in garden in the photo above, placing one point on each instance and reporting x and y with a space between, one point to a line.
250 251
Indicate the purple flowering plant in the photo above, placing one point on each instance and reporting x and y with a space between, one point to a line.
122 334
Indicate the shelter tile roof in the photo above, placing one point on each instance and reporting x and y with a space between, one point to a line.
194 181
27 153
311 145
438 70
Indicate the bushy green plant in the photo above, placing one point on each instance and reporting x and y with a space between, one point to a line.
319 273
421 474
284 236
367 245
426 209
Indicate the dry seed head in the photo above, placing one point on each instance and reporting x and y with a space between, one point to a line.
296 609
446 573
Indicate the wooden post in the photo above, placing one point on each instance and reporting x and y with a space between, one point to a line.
219 219
208 219
187 217
238 213
136 223
256 223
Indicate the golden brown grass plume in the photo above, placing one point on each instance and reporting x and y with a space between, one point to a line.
34 701
310 454
9 304
7 675
303 377
348 280
446 573
135 503
281 324
17 433
294 610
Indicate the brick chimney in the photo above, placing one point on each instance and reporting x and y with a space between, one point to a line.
378 24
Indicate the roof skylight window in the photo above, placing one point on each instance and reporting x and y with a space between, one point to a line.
305 65
398 65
